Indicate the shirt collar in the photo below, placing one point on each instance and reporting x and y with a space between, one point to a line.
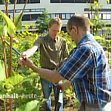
86 38
54 40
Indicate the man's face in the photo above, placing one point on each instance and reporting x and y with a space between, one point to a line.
54 30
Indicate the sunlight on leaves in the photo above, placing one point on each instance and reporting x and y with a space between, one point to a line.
30 106
10 25
2 71
17 21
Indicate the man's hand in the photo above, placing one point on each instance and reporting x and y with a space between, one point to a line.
21 59
64 84
26 62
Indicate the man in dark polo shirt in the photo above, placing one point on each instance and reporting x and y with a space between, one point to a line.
53 50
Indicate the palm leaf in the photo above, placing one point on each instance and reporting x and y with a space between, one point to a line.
17 21
11 29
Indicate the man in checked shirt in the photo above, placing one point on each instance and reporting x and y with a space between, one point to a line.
85 69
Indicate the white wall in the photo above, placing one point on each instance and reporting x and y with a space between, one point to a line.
58 7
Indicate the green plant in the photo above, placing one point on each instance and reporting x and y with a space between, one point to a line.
18 80
97 23
24 85
42 22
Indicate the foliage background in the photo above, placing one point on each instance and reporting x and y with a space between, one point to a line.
24 81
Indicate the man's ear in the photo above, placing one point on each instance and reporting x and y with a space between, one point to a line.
75 29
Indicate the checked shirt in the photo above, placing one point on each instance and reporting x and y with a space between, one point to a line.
86 68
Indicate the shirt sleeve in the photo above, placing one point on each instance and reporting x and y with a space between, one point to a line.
77 64
38 42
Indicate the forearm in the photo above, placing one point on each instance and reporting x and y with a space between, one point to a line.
50 75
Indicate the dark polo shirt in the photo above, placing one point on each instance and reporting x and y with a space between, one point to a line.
52 52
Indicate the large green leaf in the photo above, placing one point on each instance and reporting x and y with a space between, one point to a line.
1 25
14 80
2 71
1 30
17 21
10 25
30 106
